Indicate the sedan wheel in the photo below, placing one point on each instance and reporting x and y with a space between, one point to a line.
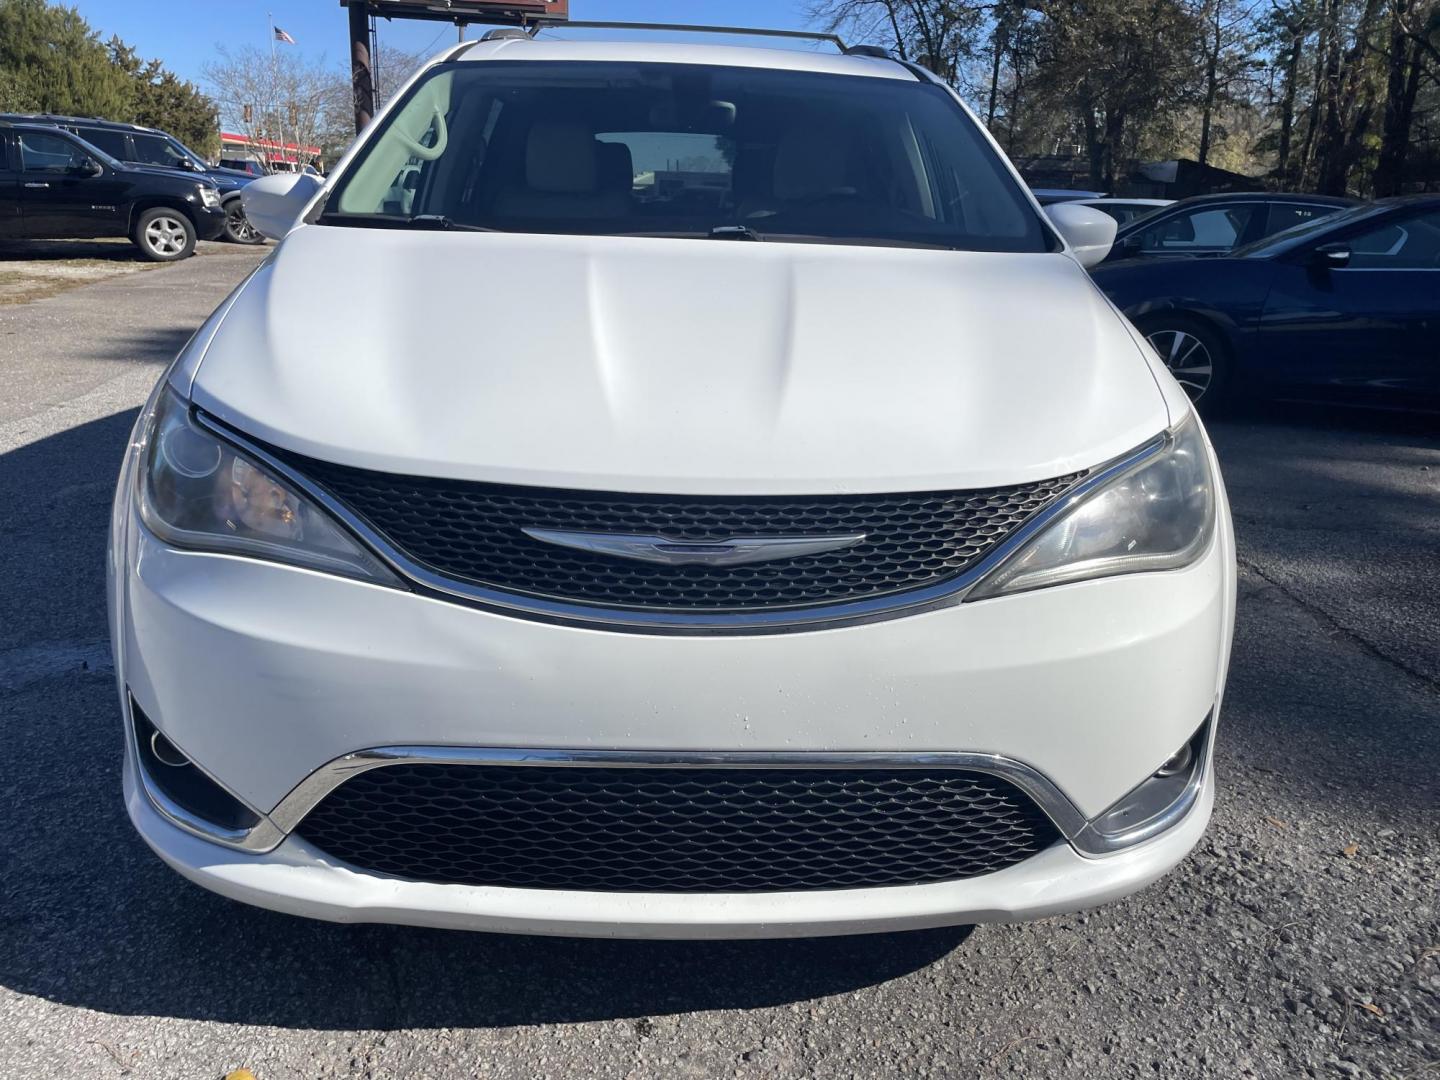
1188 357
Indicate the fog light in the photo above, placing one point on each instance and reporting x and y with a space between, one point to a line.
166 752
1177 763
1161 796
167 769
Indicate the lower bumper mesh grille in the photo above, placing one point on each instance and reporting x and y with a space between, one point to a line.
676 830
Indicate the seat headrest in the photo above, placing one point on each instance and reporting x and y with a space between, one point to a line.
616 167
810 162
560 158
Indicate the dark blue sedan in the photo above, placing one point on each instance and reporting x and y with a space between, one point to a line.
1345 308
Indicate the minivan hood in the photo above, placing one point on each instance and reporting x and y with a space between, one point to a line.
677 366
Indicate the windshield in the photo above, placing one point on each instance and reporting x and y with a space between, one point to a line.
1298 234
686 150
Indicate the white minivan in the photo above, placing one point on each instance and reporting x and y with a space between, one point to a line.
670 490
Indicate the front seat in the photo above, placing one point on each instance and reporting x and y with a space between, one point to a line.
562 178
812 164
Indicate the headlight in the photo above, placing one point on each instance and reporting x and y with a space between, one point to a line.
210 197
1158 515
196 491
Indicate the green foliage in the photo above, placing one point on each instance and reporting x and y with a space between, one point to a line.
1328 95
51 60
161 99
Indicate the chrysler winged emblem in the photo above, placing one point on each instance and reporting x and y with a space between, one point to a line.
734 551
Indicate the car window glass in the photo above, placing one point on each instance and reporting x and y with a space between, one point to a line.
1203 228
154 150
666 149
112 142
1288 215
1412 244
48 153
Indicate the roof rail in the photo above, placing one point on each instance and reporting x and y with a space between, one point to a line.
686 28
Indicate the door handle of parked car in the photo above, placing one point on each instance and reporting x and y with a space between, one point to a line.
36 184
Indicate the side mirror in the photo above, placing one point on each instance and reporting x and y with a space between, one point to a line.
1334 256
273 204
1089 232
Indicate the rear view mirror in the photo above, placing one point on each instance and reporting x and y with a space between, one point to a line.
1089 232
1334 256
273 204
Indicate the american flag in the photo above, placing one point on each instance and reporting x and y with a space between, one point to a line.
280 35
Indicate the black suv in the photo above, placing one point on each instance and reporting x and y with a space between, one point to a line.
136 145
55 185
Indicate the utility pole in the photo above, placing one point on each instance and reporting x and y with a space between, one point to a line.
362 75
462 13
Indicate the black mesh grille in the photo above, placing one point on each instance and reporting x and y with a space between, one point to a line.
676 830
472 532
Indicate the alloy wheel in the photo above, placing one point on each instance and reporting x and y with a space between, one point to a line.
238 227
165 236
1188 359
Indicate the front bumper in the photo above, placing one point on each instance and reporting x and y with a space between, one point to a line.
297 879
265 675
209 222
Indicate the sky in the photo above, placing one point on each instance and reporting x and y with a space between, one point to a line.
183 34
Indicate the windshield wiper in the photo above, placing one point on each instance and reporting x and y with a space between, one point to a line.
440 221
417 221
734 232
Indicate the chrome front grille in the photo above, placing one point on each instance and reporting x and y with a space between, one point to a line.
473 533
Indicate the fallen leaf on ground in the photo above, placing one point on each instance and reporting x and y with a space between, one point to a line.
1373 1010
240 1074
1350 850
1277 823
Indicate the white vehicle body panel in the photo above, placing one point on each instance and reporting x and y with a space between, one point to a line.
685 366
1024 675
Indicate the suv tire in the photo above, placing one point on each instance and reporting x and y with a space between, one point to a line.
164 234
237 229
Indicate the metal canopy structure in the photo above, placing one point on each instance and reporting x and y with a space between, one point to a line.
460 13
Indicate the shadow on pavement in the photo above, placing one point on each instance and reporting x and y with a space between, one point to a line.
115 250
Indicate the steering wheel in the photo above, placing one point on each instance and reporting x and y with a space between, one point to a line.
419 149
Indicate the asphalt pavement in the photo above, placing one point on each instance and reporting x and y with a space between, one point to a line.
1300 939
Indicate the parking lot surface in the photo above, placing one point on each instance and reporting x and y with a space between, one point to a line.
1300 939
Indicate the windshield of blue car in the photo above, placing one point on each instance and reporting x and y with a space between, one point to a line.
1298 234
686 150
